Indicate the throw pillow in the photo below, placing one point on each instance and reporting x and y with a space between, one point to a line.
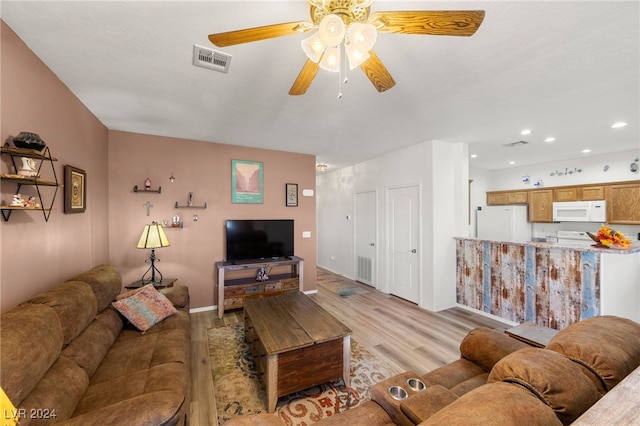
144 307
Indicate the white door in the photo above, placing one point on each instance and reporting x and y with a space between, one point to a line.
404 259
366 237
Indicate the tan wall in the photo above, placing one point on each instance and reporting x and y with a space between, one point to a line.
205 169
37 254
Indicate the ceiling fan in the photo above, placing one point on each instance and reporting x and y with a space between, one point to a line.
349 25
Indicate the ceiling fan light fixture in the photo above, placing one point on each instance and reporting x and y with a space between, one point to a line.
331 59
331 30
356 57
313 47
362 36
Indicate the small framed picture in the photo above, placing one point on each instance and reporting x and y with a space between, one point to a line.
75 190
291 194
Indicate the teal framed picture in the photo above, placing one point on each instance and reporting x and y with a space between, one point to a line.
247 182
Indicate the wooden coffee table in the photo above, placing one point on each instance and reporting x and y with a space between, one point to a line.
295 344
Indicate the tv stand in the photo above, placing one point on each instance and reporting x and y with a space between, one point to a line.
233 291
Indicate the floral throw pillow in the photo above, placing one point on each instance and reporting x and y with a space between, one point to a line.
144 307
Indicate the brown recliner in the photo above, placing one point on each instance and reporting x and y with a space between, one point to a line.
480 350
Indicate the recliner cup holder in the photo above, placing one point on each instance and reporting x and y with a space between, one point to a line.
416 384
398 393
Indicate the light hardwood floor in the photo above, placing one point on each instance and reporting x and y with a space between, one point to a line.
395 330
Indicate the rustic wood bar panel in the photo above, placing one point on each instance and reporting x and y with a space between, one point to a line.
546 284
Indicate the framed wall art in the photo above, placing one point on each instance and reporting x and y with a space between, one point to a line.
247 182
75 190
291 193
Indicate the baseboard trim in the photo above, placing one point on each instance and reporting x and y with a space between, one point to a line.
203 309
488 315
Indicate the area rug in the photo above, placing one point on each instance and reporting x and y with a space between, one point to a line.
239 392
341 286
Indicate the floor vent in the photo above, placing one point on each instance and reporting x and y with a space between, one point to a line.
207 58
365 269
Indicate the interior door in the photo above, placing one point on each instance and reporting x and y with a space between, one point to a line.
403 242
366 237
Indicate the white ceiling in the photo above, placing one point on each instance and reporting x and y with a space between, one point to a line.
567 69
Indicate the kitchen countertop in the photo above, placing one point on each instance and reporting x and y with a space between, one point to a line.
635 246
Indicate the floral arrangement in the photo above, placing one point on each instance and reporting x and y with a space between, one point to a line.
611 238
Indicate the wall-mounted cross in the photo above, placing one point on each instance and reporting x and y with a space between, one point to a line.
148 205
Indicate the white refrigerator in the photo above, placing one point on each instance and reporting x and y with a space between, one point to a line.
503 223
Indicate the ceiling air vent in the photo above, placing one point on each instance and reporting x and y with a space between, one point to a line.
517 143
207 58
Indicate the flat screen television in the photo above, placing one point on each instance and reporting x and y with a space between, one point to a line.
259 239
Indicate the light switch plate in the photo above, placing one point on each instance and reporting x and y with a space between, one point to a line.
306 234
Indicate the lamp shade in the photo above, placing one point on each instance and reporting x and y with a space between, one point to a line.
331 30
313 47
331 59
153 237
361 37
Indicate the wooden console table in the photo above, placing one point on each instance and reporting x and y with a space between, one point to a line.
233 292
295 343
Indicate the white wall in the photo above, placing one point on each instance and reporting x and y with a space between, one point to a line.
592 171
441 171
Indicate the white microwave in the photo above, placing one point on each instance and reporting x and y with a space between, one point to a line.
580 211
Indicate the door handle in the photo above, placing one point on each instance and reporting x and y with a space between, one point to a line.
414 251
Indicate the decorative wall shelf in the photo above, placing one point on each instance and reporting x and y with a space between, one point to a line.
159 190
35 181
204 206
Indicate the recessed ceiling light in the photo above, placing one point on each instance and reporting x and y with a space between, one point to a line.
526 132
586 151
618 125
550 139
512 162
474 155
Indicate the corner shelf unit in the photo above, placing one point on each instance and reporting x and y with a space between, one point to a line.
232 292
45 157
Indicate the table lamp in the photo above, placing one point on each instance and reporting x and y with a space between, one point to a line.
152 237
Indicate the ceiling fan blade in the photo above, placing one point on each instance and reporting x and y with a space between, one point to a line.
377 73
444 22
231 38
306 76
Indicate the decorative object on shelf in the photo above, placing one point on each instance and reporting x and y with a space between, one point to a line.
291 194
28 167
27 140
75 189
567 172
152 237
526 180
537 182
190 204
175 222
18 201
172 178
147 184
195 217
262 275
633 167
246 182
609 238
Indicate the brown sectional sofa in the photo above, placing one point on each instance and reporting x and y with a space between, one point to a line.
68 357
501 381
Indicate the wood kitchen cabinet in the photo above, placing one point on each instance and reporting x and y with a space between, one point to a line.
578 193
541 205
501 198
623 204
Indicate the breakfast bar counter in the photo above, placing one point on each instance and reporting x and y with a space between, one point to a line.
549 284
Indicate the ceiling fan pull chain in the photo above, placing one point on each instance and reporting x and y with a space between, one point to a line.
340 75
